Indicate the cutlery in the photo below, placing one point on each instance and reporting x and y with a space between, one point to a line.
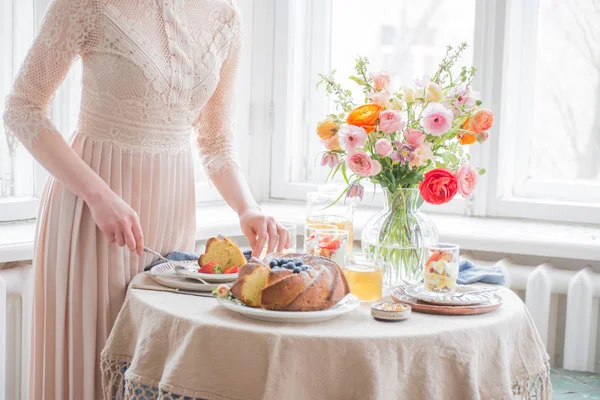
177 267
476 291
170 290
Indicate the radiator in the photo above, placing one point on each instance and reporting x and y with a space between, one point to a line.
564 306
15 323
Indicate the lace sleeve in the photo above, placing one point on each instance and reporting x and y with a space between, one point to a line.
69 28
214 125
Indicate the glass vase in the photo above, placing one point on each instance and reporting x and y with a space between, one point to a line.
400 233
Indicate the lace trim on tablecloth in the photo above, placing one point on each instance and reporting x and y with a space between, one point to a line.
119 385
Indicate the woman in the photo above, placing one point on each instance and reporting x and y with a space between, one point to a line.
152 71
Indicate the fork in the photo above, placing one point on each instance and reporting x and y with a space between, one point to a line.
176 266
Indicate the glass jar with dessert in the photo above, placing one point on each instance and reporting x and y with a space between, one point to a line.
364 273
310 238
331 244
441 268
329 206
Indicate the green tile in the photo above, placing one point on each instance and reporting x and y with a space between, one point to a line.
566 385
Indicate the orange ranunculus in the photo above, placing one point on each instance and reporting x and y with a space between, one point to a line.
482 120
365 116
327 128
466 138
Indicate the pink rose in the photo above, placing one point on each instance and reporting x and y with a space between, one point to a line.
421 155
380 98
381 80
330 159
483 136
414 137
352 137
467 180
376 167
222 290
390 121
437 119
384 147
361 164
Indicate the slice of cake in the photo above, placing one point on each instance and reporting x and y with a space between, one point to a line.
224 252
251 280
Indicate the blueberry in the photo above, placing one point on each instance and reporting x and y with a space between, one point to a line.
298 263
297 270
304 267
274 263
290 265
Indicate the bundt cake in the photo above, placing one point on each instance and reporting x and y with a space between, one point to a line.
223 251
301 283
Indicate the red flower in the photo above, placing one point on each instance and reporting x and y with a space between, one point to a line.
439 186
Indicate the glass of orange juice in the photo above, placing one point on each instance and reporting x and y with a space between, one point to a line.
364 273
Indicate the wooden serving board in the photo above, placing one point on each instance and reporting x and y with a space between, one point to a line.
428 308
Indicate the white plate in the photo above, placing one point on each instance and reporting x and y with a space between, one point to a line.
211 278
346 305
419 292
170 279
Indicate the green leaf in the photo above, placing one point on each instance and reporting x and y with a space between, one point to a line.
358 80
343 164
478 103
481 171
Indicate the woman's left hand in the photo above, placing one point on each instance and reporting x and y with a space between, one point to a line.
259 228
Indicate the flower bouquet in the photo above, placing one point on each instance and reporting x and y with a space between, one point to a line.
411 142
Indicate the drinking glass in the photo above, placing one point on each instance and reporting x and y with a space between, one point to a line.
364 273
293 231
309 234
441 268
331 244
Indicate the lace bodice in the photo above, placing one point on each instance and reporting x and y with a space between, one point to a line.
152 70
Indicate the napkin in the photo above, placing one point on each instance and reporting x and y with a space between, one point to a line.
185 256
470 273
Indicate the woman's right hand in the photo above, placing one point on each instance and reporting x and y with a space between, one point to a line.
117 220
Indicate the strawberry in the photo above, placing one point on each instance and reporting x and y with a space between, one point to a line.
211 268
232 270
434 257
330 244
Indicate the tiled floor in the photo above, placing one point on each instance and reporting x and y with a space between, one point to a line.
571 385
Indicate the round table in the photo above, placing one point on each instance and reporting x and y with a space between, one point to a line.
165 345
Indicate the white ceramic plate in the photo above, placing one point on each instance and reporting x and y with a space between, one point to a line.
211 278
346 305
173 280
419 292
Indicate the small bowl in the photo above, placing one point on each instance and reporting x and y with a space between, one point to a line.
390 311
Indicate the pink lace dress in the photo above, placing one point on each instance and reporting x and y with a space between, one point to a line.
154 71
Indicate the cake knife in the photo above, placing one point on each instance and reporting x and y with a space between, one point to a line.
170 290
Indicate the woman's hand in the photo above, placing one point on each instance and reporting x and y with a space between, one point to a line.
117 220
259 228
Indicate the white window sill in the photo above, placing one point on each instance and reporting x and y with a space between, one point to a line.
498 235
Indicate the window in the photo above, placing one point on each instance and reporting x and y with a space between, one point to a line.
17 177
542 159
549 135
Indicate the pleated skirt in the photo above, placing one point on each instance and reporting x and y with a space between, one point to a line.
80 279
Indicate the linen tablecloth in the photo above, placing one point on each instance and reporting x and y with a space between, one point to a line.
168 346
